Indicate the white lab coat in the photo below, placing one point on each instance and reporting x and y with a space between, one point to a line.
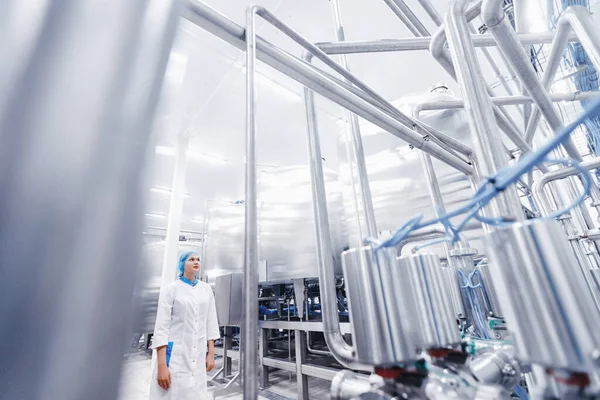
186 316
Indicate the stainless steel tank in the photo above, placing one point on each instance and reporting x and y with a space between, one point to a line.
384 317
432 300
152 263
223 241
545 299
286 227
397 180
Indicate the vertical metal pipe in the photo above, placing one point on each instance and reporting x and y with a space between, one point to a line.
342 352
370 225
487 143
249 353
76 140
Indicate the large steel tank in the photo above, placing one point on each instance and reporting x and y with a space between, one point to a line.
286 223
152 262
397 180
223 241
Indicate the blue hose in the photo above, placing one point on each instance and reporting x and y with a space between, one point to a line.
521 393
497 184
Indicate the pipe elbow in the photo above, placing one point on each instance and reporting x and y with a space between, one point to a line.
492 12
342 351
438 40
538 186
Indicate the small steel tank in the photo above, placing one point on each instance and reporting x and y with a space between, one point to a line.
152 262
287 239
397 180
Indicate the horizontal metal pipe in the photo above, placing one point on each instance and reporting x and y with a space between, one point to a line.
511 100
423 43
315 351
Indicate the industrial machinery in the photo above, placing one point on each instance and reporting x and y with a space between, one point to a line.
453 254
471 228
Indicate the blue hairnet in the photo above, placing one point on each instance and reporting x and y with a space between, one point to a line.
183 258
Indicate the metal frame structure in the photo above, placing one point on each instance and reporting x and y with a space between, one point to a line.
486 116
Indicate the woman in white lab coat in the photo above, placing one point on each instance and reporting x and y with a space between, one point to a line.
184 335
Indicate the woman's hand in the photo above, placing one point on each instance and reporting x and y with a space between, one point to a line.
210 362
164 376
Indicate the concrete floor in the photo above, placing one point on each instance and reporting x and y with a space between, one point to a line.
136 377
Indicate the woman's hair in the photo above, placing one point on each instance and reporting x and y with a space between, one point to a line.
183 258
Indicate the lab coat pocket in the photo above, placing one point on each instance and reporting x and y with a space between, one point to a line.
175 361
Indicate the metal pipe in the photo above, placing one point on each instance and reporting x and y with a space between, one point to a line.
315 351
432 12
575 18
346 385
318 81
342 352
442 56
446 142
423 43
76 141
330 87
488 146
435 194
540 183
357 155
414 20
318 53
342 69
500 27
511 100
394 6
250 321
375 99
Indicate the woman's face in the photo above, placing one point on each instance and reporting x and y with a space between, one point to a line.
192 265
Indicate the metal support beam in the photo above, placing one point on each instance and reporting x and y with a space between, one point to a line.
301 379
264 353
